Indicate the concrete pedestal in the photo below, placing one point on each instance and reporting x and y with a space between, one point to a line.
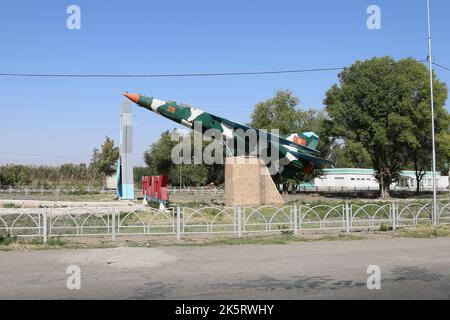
248 183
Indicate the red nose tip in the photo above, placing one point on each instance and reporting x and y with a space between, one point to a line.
132 96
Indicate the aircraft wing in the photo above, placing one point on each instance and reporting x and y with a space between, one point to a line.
310 158
281 140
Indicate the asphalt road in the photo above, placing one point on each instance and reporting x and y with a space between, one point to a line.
410 269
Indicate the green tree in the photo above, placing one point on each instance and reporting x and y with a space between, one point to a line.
191 175
15 175
45 176
216 173
279 112
443 151
158 159
376 104
350 154
282 112
158 156
139 172
103 162
420 152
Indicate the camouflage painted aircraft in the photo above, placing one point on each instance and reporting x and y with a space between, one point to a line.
297 152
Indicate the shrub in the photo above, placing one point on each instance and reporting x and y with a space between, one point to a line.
6 240
55 242
385 227
285 231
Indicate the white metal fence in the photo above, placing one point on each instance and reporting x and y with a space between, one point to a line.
41 190
352 189
197 190
181 221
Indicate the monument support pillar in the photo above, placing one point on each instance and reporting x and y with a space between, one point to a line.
248 183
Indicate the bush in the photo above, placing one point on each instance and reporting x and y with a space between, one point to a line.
6 240
385 227
285 231
55 242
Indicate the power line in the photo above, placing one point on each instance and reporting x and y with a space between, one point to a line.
435 64
441 66
168 75
180 75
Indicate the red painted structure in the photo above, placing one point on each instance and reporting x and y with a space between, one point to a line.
155 188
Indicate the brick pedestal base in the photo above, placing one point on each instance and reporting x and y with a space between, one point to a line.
248 183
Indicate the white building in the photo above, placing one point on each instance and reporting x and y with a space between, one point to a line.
364 179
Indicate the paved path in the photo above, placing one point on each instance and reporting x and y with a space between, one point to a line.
411 268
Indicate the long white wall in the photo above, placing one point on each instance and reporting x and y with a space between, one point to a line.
364 179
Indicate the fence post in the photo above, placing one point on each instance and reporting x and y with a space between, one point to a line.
295 219
113 227
178 223
431 213
394 218
437 214
44 226
239 222
350 214
300 218
397 218
347 217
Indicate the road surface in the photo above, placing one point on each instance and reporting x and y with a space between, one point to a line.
410 269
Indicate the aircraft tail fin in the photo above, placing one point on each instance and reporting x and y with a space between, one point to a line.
307 139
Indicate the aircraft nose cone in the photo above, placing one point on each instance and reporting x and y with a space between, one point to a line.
132 96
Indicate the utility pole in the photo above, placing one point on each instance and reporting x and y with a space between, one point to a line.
181 181
181 177
430 60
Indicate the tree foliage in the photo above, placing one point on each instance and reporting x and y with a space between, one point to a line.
159 161
47 176
157 157
282 112
103 164
350 154
383 105
279 112
104 161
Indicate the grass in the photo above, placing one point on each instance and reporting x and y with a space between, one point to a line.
260 240
285 231
10 205
385 227
58 243
6 240
280 220
60 197
192 204
54 244
8 243
426 231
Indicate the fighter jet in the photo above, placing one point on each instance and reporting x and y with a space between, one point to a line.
297 152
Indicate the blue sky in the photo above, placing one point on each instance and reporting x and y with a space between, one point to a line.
68 117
